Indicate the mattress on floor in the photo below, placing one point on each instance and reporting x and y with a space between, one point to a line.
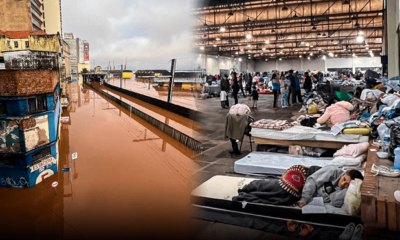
218 191
306 133
275 163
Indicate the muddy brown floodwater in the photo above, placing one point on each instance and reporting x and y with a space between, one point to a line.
129 181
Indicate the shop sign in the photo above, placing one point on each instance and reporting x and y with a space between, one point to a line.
64 119
47 162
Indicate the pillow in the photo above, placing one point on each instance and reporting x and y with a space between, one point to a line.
348 161
352 200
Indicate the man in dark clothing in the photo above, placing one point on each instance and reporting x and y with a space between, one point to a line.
292 89
240 81
307 83
225 83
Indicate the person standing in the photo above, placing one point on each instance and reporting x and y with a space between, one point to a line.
224 98
284 92
298 88
225 83
240 80
249 83
235 87
276 89
307 83
292 89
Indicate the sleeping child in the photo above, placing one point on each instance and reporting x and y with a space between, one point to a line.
299 184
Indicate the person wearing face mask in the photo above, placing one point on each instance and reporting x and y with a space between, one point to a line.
330 183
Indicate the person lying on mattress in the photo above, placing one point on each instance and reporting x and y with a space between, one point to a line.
330 183
288 189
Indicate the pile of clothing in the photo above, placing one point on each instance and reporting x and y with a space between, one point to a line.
240 109
274 124
351 155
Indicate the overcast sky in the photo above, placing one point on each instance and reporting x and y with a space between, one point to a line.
149 32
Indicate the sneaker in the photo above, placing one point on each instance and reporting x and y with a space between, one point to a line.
384 171
348 232
358 233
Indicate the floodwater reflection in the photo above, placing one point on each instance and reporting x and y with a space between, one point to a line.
130 180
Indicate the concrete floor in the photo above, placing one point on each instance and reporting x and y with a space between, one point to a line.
217 161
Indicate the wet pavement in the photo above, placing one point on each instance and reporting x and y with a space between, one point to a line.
130 180
185 98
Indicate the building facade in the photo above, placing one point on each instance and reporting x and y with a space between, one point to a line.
30 112
21 15
73 50
52 16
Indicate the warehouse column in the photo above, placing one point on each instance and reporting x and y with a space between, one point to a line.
392 48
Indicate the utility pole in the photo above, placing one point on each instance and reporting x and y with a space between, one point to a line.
171 80
122 70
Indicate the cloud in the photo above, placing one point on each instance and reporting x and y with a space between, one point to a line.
150 33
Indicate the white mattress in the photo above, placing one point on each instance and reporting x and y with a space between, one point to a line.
306 133
226 187
275 163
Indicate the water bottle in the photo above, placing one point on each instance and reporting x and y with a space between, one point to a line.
386 142
396 159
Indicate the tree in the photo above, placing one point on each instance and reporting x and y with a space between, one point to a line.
85 70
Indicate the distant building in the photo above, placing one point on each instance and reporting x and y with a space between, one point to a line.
52 16
97 69
73 50
21 15
65 72
82 66
83 51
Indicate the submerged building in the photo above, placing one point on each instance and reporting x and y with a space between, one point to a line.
29 111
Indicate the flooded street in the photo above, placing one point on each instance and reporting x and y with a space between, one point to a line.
185 98
129 179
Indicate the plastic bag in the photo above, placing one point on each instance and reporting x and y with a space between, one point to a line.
344 96
352 200
313 108
394 139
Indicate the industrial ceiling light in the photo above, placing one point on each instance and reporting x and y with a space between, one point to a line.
360 33
323 57
248 19
311 54
205 24
262 54
324 35
308 58
202 48
240 59
318 34
307 44
205 35
280 59
230 13
215 45
236 53
357 25
263 49
300 56
281 46
249 46
285 8
273 30
311 46
302 43
366 48
248 36
314 28
296 50
360 39
295 15
266 59
218 39
346 2
222 29
267 41
335 55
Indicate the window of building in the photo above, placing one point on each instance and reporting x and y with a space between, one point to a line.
27 44
41 103
37 104
8 44
38 156
3 108
32 105
15 44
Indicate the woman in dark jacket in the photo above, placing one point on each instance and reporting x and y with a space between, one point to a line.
235 87
249 83
307 83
